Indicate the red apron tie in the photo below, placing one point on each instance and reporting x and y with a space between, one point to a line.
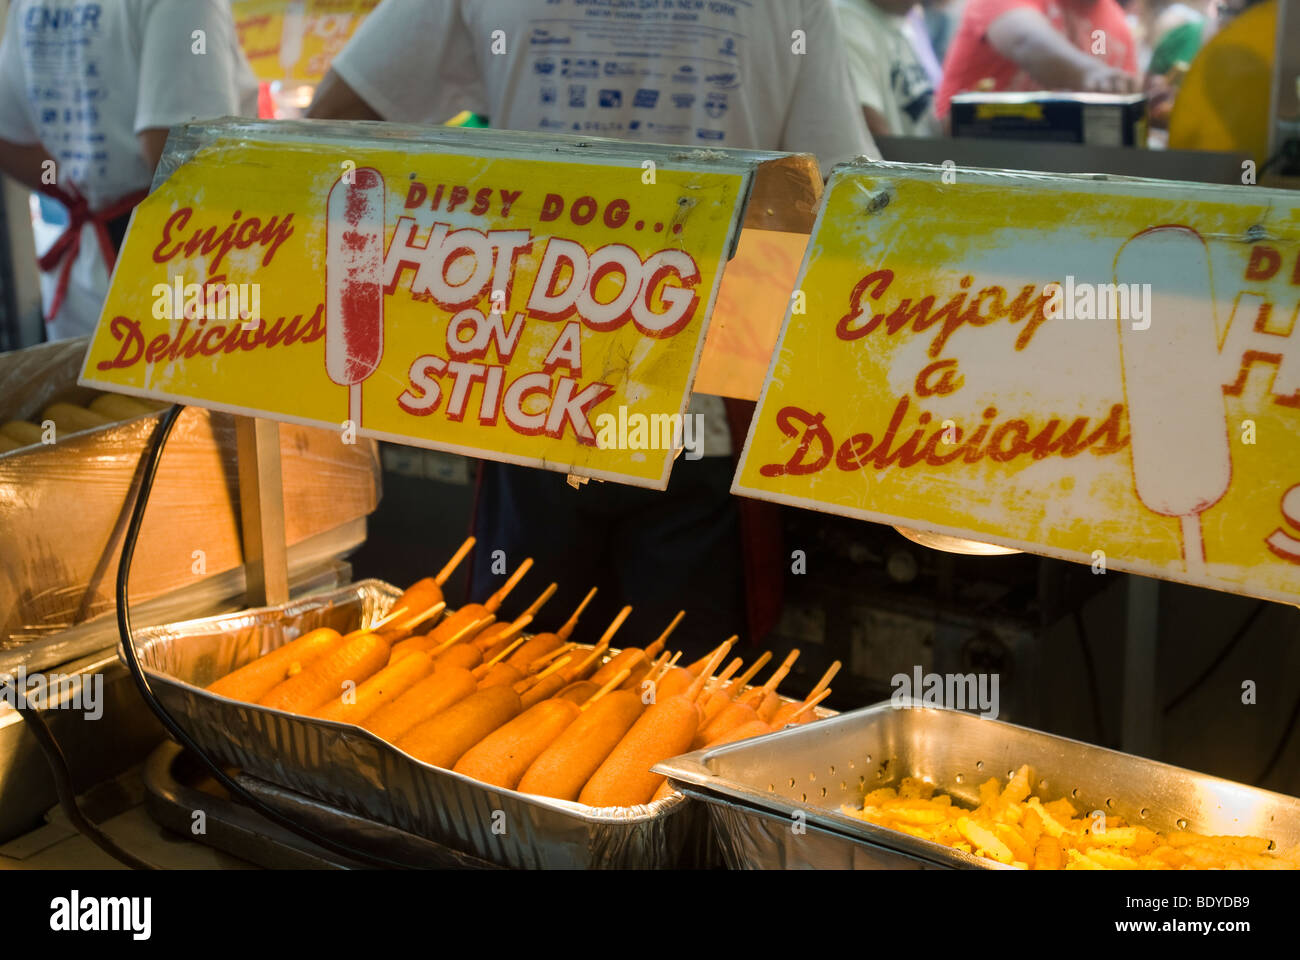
63 253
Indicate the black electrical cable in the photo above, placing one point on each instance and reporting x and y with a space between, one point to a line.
152 458
64 787
1204 675
1090 670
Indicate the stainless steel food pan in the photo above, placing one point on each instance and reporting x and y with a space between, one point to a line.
761 793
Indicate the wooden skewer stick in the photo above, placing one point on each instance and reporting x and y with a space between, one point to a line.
541 600
464 633
612 683
515 627
387 618
548 657
652 651
775 680
668 666
445 573
530 682
718 682
826 679
652 674
495 601
485 666
809 704
592 657
743 680
693 691
564 631
428 614
613 626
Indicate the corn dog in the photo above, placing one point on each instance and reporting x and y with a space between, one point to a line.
579 692
642 667
669 687
503 756
542 687
800 713
440 640
755 698
501 675
481 614
542 643
536 646
117 406
378 691
482 669
425 700
564 767
743 709
665 730
786 711
425 593
444 739
578 669
491 635
255 680
23 432
723 694
503 635
354 660
464 655
69 418
754 728
664 792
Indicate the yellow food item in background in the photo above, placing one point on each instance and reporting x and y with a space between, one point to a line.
69 418
22 432
115 406
1011 827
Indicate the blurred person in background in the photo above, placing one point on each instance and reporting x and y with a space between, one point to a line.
886 44
87 94
941 20
725 75
1071 45
1171 35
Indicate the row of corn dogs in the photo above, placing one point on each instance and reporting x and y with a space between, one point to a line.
537 714
69 418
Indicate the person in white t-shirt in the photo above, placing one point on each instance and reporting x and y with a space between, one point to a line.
762 75
88 91
892 83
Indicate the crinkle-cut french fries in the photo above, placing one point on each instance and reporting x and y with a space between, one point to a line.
1014 828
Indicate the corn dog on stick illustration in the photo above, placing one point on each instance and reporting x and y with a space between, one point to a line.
1182 463
354 282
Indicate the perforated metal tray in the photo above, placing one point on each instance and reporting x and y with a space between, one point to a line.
759 791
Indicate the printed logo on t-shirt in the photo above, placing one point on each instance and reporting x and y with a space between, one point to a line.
912 89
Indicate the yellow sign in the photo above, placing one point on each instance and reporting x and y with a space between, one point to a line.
430 286
1106 372
296 40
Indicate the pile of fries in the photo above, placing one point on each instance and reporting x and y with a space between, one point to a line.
1019 830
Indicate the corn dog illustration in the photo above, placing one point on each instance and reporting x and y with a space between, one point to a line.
1182 464
354 281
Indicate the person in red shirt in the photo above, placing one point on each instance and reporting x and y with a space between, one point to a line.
1078 45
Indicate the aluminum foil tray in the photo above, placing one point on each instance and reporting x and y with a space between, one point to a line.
757 791
349 768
